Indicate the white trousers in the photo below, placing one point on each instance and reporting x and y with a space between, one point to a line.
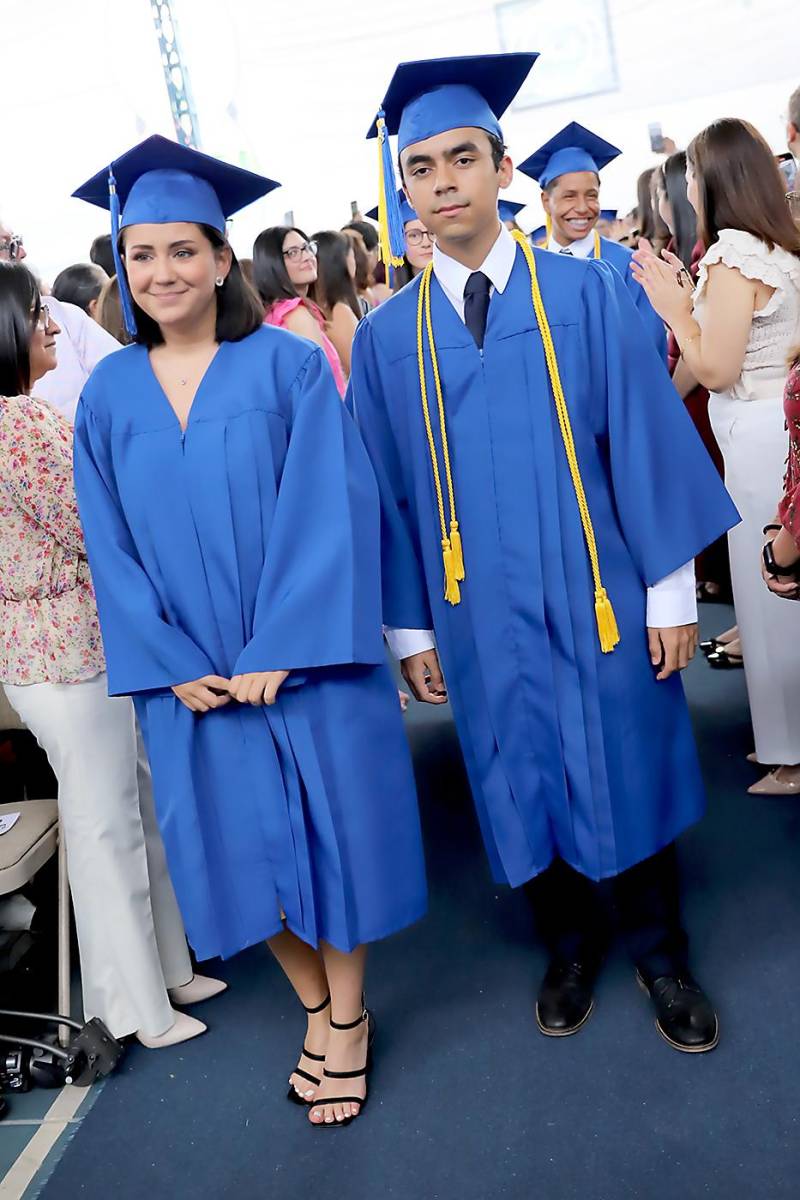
130 931
752 437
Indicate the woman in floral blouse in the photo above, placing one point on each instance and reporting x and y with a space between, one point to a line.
134 960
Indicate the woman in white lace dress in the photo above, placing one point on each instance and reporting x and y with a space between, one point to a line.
735 334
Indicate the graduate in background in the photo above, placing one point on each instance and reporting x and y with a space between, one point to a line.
417 243
568 170
508 211
607 224
232 525
544 493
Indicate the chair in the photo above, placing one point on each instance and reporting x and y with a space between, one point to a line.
24 850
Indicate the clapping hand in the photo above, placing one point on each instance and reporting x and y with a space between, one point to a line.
665 280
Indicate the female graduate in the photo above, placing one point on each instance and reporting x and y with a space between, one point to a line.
231 522
542 486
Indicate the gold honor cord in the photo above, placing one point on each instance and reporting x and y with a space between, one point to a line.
604 612
452 554
548 224
451 542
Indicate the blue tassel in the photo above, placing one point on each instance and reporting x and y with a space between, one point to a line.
393 228
125 298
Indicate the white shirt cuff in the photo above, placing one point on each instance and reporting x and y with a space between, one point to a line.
673 600
405 642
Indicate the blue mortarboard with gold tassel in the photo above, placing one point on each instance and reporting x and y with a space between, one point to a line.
160 181
431 96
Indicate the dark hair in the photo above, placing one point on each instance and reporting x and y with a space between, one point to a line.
20 305
270 277
364 279
368 232
102 254
238 310
109 311
496 145
334 284
644 206
79 284
684 218
739 185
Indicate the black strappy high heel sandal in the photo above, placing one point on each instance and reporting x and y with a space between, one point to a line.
293 1094
361 1101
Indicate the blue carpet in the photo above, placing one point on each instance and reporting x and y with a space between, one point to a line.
468 1100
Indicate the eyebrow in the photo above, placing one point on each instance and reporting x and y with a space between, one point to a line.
172 245
416 160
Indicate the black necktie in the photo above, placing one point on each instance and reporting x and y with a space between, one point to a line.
566 250
476 305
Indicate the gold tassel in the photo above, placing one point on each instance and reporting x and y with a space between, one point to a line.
606 621
452 592
458 551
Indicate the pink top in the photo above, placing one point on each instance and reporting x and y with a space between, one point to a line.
48 620
278 312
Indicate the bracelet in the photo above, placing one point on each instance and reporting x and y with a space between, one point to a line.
688 341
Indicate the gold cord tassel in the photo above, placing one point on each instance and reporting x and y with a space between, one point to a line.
452 592
458 552
606 621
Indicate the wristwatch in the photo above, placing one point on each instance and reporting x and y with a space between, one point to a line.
773 568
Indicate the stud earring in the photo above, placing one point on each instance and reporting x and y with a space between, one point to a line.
219 281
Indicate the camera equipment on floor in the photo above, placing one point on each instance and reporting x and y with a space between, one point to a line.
90 1053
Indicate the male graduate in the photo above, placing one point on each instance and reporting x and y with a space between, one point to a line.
542 488
568 170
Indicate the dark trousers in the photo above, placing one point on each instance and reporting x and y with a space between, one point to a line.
576 916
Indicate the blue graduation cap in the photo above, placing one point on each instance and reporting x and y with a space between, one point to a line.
538 236
406 211
509 209
573 148
608 214
428 97
160 181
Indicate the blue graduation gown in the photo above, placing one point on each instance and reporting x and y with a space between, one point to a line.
251 542
619 257
570 752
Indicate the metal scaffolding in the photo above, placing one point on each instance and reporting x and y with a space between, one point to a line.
175 74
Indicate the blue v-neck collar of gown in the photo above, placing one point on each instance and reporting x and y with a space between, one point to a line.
199 393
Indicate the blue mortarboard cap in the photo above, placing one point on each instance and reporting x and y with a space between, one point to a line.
161 181
432 95
608 214
573 148
406 211
539 235
509 209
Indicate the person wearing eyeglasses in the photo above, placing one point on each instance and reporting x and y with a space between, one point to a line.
134 961
418 247
80 342
284 269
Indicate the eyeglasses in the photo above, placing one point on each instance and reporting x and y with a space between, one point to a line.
295 252
414 237
43 319
11 245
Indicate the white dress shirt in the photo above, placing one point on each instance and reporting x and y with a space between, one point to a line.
584 248
79 348
671 601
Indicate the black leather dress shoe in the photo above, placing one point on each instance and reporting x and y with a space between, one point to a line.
685 1016
565 1000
